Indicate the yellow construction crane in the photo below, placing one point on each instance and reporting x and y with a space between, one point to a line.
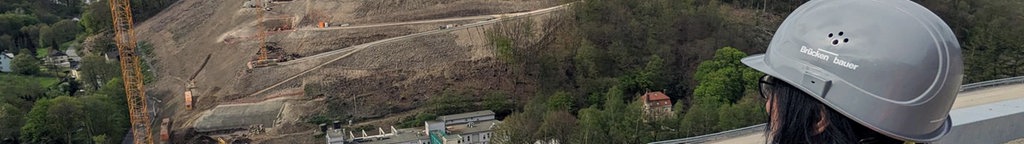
261 34
124 36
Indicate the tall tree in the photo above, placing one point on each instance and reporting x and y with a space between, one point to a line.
10 122
96 17
73 120
95 71
558 125
7 43
25 63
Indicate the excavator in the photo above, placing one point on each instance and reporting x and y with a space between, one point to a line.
190 84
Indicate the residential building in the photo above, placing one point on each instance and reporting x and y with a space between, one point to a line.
396 136
5 62
74 62
73 58
656 105
57 58
477 132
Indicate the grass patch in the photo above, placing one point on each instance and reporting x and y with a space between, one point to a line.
42 53
44 81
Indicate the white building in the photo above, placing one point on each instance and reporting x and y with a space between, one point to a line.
478 132
465 128
467 117
5 62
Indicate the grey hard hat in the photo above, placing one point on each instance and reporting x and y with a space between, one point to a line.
891 65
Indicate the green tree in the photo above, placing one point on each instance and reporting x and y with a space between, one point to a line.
993 48
592 127
560 101
449 102
48 37
37 128
415 121
517 128
25 63
73 120
10 122
114 88
96 70
21 91
499 103
67 30
30 36
57 33
7 43
558 125
723 77
100 43
700 119
96 17
10 23
723 82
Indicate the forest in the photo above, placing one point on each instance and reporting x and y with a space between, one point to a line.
44 103
595 63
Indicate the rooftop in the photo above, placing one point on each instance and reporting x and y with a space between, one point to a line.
403 135
654 96
72 54
467 115
477 127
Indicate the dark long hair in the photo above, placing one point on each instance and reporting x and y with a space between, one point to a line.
798 115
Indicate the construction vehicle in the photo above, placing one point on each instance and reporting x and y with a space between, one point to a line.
165 130
131 72
190 84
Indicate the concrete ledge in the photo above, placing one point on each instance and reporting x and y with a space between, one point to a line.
997 122
240 116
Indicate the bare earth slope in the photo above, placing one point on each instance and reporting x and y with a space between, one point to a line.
371 82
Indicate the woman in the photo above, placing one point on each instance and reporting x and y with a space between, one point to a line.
859 71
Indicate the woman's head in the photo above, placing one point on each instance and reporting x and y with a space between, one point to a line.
796 117
891 66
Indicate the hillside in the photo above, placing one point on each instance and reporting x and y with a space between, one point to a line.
332 71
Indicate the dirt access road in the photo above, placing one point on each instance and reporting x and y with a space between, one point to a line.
345 52
964 100
493 17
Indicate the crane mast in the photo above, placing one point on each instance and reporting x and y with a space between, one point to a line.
124 36
261 34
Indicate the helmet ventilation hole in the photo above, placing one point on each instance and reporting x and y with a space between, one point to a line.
840 33
835 42
846 40
829 35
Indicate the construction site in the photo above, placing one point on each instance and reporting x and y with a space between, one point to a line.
254 71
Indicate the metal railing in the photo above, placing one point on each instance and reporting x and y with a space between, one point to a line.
716 136
760 127
991 83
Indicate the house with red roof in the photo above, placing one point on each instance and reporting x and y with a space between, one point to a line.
656 104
